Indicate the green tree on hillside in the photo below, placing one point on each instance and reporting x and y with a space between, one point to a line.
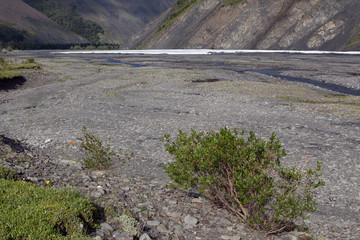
69 19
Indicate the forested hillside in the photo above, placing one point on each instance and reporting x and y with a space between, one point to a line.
20 23
67 17
75 21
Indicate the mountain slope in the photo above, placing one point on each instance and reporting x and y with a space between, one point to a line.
118 18
36 26
260 24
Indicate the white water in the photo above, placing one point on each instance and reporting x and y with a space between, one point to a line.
203 52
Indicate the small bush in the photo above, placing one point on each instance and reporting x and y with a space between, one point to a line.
28 211
30 60
244 175
98 156
129 224
9 174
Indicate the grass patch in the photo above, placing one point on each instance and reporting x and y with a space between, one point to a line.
9 174
28 211
298 97
231 2
356 39
10 69
9 74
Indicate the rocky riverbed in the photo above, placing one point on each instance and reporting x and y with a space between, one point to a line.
311 102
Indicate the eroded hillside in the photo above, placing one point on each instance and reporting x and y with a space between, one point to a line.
258 24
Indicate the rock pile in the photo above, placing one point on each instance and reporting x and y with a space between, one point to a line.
160 211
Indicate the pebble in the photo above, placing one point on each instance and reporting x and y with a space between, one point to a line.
191 221
71 163
161 228
98 173
225 237
197 200
122 236
174 214
145 236
107 226
153 223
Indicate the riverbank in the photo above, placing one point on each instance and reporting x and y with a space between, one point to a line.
136 99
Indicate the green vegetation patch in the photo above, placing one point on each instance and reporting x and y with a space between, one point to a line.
356 37
28 211
8 74
69 19
98 156
9 174
231 2
9 33
10 70
245 175
181 7
295 96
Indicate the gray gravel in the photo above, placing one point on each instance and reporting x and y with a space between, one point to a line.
311 102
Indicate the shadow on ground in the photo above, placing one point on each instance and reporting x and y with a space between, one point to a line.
11 84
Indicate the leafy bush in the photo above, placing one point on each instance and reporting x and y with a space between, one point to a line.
129 224
9 174
28 211
98 156
244 175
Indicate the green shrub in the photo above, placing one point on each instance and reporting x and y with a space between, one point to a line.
30 60
129 224
98 156
244 175
2 61
9 174
28 211
27 64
